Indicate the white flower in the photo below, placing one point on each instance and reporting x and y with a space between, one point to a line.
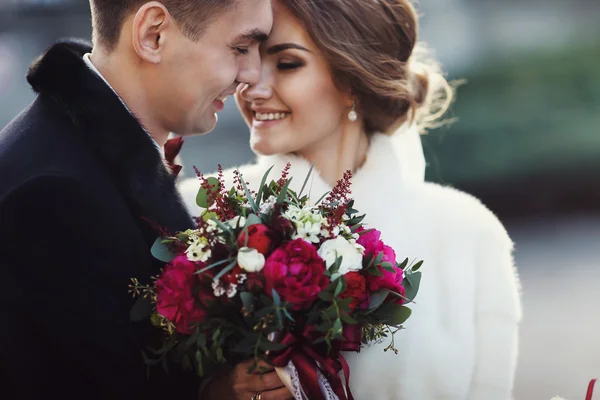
250 260
238 221
340 247
309 222
218 289
231 290
266 206
198 250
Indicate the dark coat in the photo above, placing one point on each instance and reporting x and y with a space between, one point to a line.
79 179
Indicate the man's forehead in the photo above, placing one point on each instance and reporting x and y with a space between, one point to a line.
251 20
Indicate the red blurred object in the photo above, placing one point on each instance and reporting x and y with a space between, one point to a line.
590 390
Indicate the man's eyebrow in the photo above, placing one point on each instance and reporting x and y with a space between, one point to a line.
255 35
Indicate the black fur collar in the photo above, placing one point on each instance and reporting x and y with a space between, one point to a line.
113 133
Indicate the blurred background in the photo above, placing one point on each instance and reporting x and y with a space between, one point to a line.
526 142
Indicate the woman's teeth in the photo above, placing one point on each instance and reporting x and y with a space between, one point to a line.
270 116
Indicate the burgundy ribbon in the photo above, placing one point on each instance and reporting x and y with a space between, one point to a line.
590 390
172 149
308 358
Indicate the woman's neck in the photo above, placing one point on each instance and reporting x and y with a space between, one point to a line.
338 153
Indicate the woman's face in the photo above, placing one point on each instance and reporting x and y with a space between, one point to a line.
295 107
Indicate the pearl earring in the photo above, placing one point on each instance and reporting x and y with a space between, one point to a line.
352 115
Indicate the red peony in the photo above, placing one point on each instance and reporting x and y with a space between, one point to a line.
297 273
258 238
356 288
373 245
174 299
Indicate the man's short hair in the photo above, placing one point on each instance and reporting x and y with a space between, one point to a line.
193 16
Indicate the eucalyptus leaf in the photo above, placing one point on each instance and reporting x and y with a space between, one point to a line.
142 309
253 219
337 327
326 296
394 314
276 298
339 288
161 251
377 299
247 300
203 196
404 263
416 267
411 285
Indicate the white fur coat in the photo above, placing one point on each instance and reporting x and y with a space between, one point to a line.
461 341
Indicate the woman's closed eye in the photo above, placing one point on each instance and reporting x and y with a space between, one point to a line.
289 65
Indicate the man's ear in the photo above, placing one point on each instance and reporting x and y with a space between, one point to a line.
150 29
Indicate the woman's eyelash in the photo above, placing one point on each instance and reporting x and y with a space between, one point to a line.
290 65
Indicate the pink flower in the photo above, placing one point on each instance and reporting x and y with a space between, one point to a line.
174 299
389 280
297 273
374 245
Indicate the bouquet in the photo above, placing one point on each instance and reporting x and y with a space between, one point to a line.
271 276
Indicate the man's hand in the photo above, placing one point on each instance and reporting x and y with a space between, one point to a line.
238 384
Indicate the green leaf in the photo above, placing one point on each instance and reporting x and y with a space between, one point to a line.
337 328
276 298
262 185
374 271
377 299
202 196
253 219
142 309
279 315
339 288
211 266
416 267
347 319
283 193
288 315
411 283
388 266
247 300
393 314
161 251
248 195
326 296
226 270
403 265
322 197
306 179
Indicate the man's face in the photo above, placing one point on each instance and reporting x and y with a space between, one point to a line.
193 79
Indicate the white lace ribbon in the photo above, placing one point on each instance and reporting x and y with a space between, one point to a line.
289 376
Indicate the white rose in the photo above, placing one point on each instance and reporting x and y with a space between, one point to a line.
340 247
250 260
